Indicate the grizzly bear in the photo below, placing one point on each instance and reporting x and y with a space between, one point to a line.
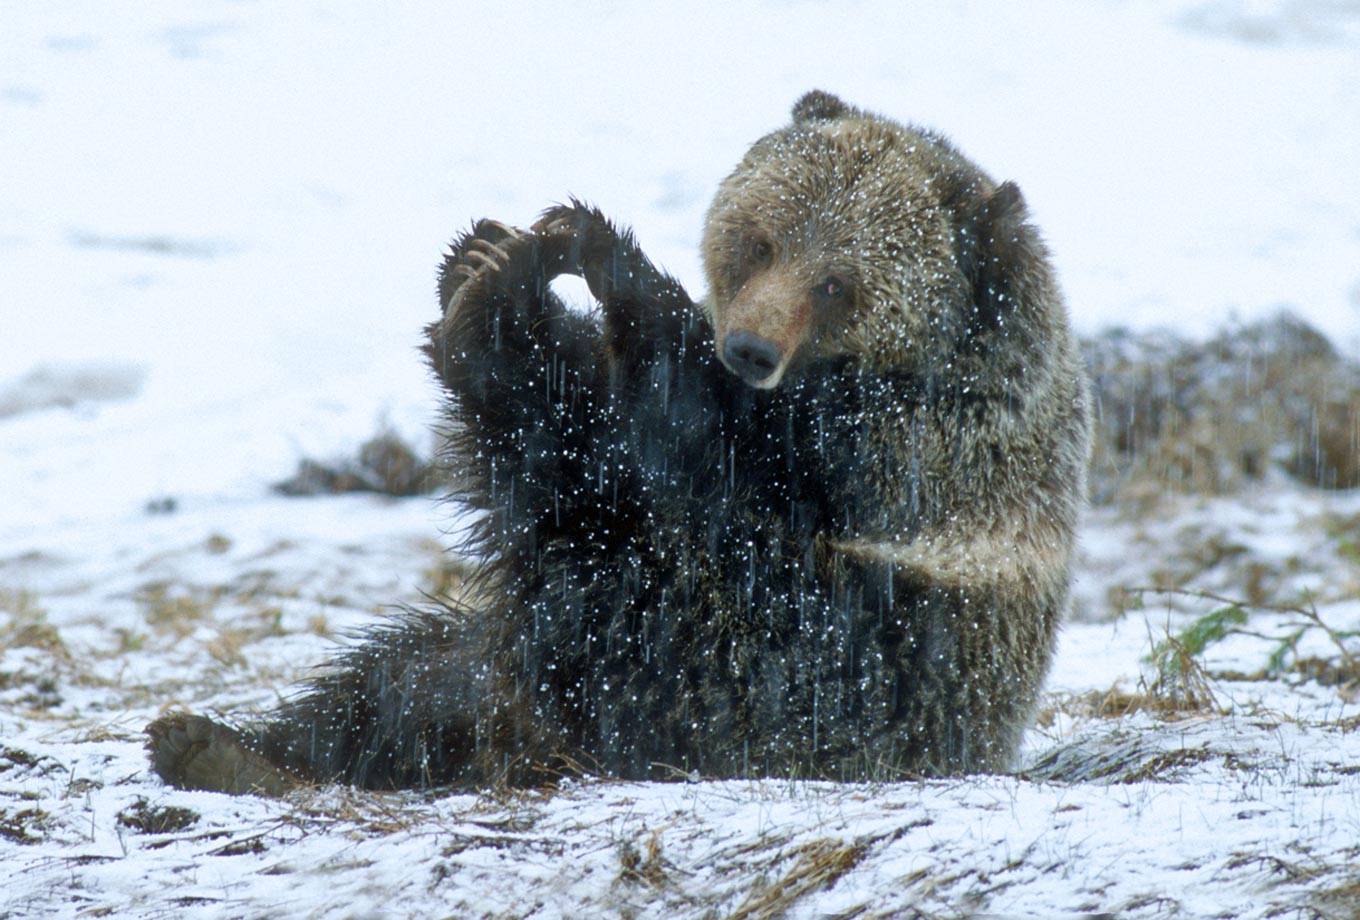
819 526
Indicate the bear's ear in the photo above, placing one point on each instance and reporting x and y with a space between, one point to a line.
818 105
996 248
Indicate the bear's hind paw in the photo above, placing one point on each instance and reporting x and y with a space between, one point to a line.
194 752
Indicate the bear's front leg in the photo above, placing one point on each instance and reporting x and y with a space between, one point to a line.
505 348
522 374
648 316
549 408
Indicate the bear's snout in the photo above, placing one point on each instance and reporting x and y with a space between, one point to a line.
761 330
751 357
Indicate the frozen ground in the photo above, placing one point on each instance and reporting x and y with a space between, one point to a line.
218 227
1246 807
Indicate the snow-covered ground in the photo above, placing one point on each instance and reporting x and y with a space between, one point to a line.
218 229
1247 807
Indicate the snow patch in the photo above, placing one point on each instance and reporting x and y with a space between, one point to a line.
69 385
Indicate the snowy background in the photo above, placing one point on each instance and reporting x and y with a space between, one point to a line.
219 224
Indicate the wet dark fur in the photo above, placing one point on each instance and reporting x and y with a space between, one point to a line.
659 593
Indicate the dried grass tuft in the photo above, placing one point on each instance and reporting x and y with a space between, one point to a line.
28 626
819 865
385 464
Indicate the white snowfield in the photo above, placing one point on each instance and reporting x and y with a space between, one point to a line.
219 224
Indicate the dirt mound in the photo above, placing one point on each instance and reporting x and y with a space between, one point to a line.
1211 417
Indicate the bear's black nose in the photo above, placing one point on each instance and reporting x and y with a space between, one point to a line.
749 356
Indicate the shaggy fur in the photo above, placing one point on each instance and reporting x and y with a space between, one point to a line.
855 571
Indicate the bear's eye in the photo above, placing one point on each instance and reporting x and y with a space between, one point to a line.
832 288
760 251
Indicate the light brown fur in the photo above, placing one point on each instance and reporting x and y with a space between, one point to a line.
984 503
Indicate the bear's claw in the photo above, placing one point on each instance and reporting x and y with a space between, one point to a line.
482 247
482 257
512 232
478 252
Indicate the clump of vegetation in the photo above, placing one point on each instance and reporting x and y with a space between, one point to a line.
646 866
26 826
1176 664
145 818
1178 676
1345 531
177 613
1117 757
263 623
19 759
819 864
385 464
1209 418
1170 655
28 626
1176 681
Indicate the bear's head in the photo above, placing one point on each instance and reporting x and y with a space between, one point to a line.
848 236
